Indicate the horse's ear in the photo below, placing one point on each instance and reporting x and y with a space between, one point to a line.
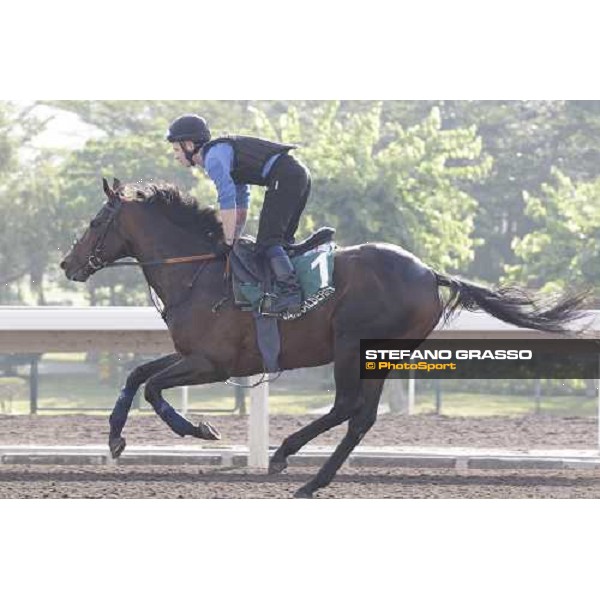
116 184
107 189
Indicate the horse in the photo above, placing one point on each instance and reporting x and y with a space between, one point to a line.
381 291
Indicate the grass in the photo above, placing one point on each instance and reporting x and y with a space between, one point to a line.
83 391
293 393
485 405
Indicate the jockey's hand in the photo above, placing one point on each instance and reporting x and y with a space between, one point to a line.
223 248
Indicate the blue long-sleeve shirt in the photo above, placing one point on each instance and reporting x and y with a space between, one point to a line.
218 163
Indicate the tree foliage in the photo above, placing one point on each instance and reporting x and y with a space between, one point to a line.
470 187
378 181
27 203
563 251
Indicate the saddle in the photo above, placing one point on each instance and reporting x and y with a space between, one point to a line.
255 286
250 267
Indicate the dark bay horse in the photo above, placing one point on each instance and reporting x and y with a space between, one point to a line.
382 291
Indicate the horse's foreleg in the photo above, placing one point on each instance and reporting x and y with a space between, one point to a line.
190 370
120 412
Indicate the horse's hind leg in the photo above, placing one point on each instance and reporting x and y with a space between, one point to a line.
120 412
339 413
358 426
347 385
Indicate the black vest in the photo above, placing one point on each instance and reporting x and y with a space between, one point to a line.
250 155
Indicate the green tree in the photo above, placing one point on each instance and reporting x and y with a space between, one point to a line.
564 249
377 181
26 196
527 140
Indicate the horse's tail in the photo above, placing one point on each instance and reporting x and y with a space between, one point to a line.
511 304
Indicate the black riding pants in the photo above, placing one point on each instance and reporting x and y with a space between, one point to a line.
287 192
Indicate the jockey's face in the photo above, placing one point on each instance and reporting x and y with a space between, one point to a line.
180 155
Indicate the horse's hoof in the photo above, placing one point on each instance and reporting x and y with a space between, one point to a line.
116 445
277 466
303 492
205 431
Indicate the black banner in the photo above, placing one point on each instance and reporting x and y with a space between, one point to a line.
480 359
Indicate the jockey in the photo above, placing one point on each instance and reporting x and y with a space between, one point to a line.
234 162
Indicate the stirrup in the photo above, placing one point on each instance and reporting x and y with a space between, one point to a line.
264 306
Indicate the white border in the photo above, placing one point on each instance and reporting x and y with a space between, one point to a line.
308 50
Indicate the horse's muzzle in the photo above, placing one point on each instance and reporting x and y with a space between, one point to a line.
75 273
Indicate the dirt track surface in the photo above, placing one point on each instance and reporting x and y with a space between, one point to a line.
193 482
44 481
389 430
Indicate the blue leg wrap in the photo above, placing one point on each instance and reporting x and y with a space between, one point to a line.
180 425
118 417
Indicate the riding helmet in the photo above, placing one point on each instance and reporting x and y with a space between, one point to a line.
189 128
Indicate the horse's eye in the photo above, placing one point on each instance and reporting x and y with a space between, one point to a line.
94 223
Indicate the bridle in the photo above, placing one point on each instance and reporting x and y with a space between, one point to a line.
96 260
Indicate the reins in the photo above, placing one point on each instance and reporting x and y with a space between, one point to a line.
166 261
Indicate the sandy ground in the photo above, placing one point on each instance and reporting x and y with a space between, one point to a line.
389 430
193 482
43 481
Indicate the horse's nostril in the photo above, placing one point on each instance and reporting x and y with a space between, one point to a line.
63 265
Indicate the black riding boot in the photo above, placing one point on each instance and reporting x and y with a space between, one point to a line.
290 298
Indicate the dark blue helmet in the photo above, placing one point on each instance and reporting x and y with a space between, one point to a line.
191 128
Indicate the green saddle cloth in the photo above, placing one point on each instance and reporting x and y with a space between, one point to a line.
315 274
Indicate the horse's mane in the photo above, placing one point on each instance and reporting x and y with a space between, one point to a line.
182 210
